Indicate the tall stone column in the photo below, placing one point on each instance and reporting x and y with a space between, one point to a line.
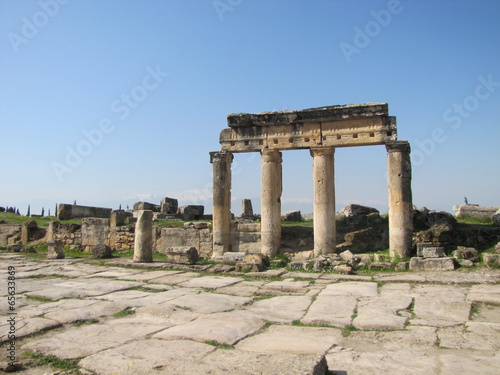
324 200
221 227
271 189
143 243
400 198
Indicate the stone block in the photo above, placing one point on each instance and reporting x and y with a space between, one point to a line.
55 250
15 248
139 206
182 255
169 206
343 269
197 225
102 251
491 260
191 212
430 252
475 211
380 266
119 218
73 211
496 217
247 209
295 216
466 253
401 266
432 264
253 258
94 232
233 258
356 210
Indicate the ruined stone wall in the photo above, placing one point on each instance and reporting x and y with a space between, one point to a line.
68 234
73 211
180 237
122 238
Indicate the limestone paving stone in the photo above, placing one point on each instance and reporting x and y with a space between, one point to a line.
80 288
239 290
380 313
296 340
472 336
139 298
484 293
28 326
71 310
457 363
400 277
211 282
351 288
284 309
174 279
83 341
144 357
302 275
334 311
149 275
224 328
288 285
115 272
268 273
337 277
207 303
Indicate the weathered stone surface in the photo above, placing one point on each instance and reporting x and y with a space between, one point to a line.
207 303
73 211
432 264
343 269
143 243
119 217
182 255
356 210
71 310
430 252
169 206
191 212
143 357
211 282
496 217
333 311
55 250
380 266
282 309
288 285
291 216
233 258
87 340
223 328
484 293
467 253
94 232
247 209
102 251
141 206
381 313
28 326
491 260
174 279
296 340
475 211
472 336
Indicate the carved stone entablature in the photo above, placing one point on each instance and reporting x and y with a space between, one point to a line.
334 126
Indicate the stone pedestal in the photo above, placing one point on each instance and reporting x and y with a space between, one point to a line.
400 198
143 244
221 162
324 200
271 202
55 250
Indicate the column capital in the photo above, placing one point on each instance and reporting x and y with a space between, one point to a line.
217 156
270 156
398 146
322 151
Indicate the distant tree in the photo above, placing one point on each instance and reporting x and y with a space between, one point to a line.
17 212
49 212
127 206
29 213
74 202
43 211
120 207
56 210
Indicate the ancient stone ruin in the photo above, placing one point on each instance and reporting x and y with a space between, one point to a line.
321 130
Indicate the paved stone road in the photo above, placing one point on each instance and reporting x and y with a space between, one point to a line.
155 321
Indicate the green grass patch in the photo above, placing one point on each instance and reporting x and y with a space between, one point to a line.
39 299
219 345
14 219
298 323
125 312
42 360
473 220
78 323
347 330
305 223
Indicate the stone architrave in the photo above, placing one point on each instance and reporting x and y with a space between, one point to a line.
324 200
143 244
271 202
221 162
400 198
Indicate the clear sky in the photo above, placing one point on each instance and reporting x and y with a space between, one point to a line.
112 102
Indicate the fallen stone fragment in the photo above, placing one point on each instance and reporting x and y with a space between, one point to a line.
182 255
432 264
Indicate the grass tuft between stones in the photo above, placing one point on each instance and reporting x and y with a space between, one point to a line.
42 360
125 312
219 345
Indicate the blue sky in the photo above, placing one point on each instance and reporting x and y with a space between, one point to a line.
112 102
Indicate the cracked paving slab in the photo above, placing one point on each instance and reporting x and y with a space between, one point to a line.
282 309
207 303
211 282
224 328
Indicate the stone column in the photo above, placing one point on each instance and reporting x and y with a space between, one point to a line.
143 244
221 226
324 200
400 198
271 188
